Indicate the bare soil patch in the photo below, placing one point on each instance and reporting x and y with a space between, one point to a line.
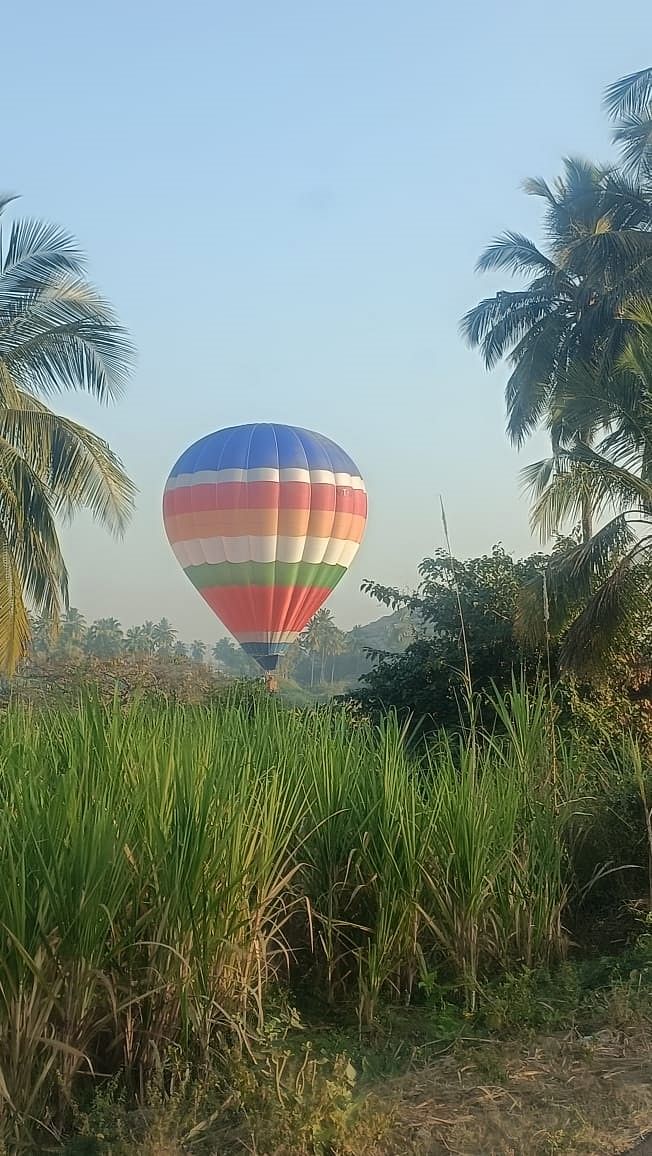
582 1096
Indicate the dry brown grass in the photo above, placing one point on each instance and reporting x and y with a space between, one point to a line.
588 1096
581 1096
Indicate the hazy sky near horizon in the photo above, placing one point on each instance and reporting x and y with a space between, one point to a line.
285 201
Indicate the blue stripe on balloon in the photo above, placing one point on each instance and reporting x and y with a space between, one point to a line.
264 446
266 654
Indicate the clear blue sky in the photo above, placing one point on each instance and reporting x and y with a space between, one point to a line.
285 199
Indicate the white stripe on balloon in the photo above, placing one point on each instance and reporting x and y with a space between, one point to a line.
287 548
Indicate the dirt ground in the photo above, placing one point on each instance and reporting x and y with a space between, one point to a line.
581 1096
570 1094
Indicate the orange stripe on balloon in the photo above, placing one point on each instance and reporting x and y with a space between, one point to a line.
265 523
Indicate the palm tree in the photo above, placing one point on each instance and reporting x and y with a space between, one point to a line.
198 650
105 638
233 658
164 637
72 633
56 334
289 661
319 638
313 638
224 653
335 646
135 641
41 636
573 309
596 594
310 643
147 634
180 650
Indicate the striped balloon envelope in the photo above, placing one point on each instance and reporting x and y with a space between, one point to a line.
265 519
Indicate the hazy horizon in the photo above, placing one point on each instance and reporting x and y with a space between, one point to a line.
285 204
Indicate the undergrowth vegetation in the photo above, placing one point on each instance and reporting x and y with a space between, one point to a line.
166 872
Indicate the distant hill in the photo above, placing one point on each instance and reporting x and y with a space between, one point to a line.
389 632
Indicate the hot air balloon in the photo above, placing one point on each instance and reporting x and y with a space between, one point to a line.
265 520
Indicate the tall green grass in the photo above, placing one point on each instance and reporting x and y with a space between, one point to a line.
161 868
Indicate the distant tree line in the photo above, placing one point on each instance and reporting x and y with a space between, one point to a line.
324 658
105 638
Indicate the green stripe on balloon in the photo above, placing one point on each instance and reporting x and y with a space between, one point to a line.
320 574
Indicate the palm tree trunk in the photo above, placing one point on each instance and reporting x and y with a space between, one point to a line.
587 498
587 518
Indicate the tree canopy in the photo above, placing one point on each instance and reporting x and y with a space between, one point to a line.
578 338
459 609
56 334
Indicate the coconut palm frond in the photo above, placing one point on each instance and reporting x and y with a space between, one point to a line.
56 334
14 620
496 323
560 483
560 488
79 467
629 103
639 310
609 620
615 408
579 567
37 572
64 338
520 323
631 94
627 202
531 383
634 139
573 310
572 577
6 199
36 253
27 514
609 252
612 484
515 253
538 187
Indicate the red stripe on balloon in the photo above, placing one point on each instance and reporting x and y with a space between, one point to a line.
263 496
264 609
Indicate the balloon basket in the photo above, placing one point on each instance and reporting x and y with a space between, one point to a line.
271 683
